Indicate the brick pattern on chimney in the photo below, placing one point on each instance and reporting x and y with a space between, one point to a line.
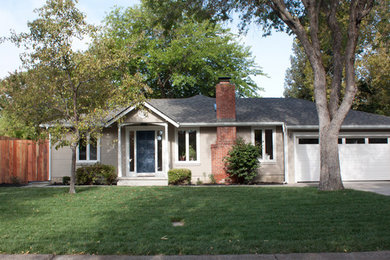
226 135
226 102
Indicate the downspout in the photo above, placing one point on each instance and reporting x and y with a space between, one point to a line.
285 147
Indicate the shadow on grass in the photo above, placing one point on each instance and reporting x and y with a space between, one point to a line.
22 202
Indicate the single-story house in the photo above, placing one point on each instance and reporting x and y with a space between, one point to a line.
197 132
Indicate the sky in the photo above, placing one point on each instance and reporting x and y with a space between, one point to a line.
271 53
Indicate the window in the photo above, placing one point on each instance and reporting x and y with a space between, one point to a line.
354 140
187 145
159 150
308 140
314 141
377 140
264 139
88 150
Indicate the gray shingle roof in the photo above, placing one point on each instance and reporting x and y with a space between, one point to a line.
292 111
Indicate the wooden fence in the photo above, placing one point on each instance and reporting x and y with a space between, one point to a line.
23 160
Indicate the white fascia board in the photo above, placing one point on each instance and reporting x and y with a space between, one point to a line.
346 127
118 116
230 124
148 106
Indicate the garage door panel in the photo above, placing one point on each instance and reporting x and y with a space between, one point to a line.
357 162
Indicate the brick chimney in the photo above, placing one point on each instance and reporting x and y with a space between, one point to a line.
226 135
225 100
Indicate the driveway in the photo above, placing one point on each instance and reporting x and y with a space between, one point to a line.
380 187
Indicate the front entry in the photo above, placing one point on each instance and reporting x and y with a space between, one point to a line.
145 146
145 151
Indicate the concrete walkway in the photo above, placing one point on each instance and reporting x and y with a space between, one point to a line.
379 255
380 187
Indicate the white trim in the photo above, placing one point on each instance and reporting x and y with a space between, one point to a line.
148 106
285 149
165 155
263 128
50 157
87 160
176 156
188 125
120 174
166 152
344 127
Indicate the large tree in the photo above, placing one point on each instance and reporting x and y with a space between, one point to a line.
306 19
71 91
372 65
181 57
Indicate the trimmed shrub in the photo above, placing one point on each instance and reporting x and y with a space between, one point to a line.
96 174
66 180
179 176
242 162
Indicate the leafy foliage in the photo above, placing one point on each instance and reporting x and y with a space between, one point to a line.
372 65
71 91
96 174
183 58
242 161
179 176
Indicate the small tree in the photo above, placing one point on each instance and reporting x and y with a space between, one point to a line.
72 90
242 161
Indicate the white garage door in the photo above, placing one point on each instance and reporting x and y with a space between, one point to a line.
361 158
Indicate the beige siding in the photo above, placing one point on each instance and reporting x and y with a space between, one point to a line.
142 117
269 171
61 163
202 169
109 146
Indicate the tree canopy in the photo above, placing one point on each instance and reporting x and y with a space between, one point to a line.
70 91
182 57
372 65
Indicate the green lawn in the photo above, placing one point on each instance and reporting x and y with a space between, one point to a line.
218 220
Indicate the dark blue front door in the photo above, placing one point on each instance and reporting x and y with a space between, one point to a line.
145 152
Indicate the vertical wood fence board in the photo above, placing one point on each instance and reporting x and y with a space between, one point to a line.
30 160
20 159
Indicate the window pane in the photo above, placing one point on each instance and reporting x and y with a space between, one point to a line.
159 150
377 140
340 141
259 141
93 149
308 140
192 143
354 140
82 151
181 136
131 154
268 144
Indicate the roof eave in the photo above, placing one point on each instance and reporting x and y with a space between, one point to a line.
344 127
148 106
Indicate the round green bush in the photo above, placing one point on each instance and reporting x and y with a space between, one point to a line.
242 162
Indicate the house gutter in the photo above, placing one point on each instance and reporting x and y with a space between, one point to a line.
285 147
231 124
345 127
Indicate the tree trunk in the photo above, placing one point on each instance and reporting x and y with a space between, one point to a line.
330 175
72 189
